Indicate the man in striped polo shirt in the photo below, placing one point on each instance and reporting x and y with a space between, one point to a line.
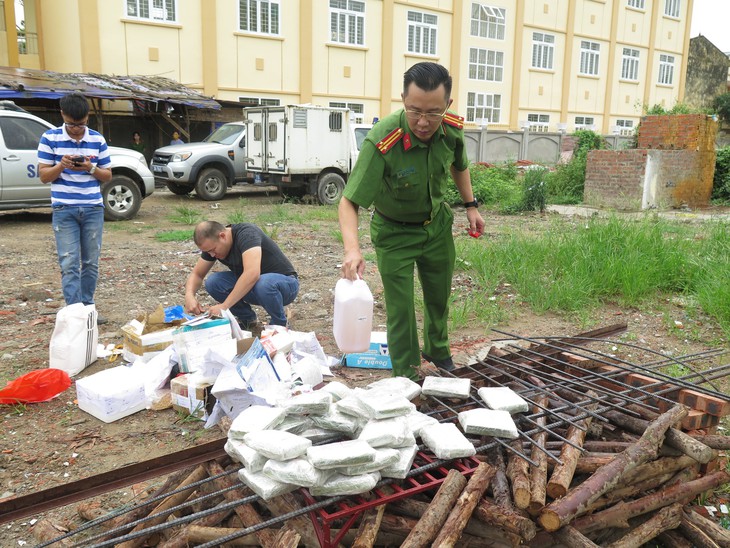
75 160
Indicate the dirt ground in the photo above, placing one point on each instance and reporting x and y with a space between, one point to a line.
48 444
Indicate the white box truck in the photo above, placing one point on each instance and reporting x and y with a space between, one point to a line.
302 148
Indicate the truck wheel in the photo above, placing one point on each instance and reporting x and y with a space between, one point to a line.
329 188
212 184
122 198
180 190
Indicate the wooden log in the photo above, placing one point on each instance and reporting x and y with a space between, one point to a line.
246 512
562 475
562 511
715 441
181 538
202 535
698 537
518 470
401 525
538 472
91 510
719 534
499 484
45 530
665 519
465 505
571 537
287 538
437 512
367 532
589 463
674 437
629 491
674 539
619 514
287 503
505 519
173 500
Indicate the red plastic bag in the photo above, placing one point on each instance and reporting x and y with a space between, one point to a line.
36 386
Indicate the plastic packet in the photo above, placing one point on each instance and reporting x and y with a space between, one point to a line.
503 398
417 420
400 468
309 403
337 389
296 424
353 406
320 435
446 441
391 432
340 484
342 453
401 386
335 420
277 444
488 422
254 418
250 458
385 405
384 457
264 486
298 471
446 387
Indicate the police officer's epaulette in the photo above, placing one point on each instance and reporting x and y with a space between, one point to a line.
454 120
387 142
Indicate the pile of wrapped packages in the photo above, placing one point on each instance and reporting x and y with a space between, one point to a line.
297 442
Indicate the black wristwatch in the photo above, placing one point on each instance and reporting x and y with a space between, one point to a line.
473 203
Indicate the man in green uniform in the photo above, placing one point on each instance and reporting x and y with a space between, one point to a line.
403 169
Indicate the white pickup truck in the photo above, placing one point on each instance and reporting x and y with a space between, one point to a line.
303 148
20 186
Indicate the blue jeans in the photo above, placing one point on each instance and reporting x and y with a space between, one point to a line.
272 291
78 233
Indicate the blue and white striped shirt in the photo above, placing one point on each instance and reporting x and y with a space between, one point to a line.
74 187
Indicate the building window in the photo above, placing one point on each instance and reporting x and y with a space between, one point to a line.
584 122
357 110
487 21
671 8
155 10
483 106
347 22
262 101
666 69
422 33
543 47
539 122
638 4
625 127
486 64
259 16
589 56
630 64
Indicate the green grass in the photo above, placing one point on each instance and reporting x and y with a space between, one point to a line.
174 236
575 267
186 215
235 217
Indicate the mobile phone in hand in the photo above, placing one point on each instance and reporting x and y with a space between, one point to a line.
78 160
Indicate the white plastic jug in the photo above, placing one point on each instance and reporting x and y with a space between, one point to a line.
353 316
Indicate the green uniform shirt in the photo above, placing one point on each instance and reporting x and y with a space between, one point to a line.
408 181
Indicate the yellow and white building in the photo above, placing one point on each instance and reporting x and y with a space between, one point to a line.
548 64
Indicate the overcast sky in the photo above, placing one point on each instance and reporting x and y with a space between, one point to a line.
711 19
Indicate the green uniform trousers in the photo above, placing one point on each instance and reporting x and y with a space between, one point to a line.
431 247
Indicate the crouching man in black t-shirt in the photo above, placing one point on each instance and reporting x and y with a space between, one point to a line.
259 273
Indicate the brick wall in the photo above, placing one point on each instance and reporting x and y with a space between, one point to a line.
678 132
615 178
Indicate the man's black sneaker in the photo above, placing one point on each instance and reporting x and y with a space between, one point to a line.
446 364
100 320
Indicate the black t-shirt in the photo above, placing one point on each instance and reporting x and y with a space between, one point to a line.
246 236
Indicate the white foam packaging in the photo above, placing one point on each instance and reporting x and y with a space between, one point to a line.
264 486
277 444
488 422
335 420
337 389
340 484
401 386
250 458
384 458
385 405
445 387
255 418
111 394
503 398
392 432
446 441
298 471
309 403
400 468
341 453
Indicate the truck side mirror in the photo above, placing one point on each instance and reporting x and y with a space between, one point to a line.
242 143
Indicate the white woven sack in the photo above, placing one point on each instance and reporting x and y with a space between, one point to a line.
74 339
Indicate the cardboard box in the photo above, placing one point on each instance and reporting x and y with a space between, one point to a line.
194 399
376 357
111 394
145 340
193 341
